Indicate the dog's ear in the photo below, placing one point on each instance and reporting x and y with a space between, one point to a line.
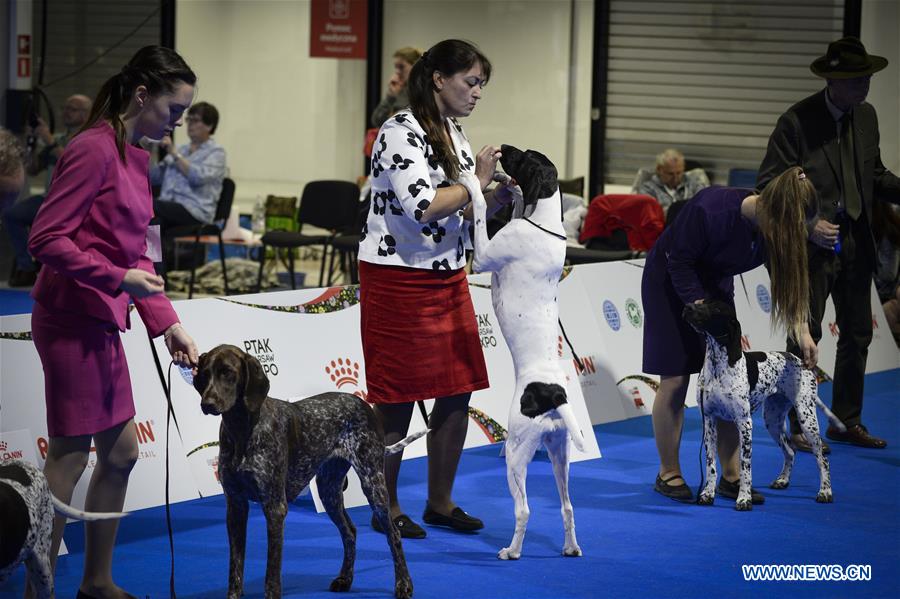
200 381
256 383
735 349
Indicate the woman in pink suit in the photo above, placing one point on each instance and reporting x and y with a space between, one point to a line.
91 235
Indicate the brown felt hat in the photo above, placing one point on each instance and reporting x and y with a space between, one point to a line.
847 58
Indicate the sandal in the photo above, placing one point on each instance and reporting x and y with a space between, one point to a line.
680 492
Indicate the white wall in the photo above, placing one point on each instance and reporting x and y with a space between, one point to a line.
285 118
880 24
526 103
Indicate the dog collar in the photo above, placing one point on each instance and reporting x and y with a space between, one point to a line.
557 235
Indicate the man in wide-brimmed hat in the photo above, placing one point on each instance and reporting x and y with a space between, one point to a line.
833 135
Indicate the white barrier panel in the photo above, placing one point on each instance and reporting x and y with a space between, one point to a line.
308 342
22 407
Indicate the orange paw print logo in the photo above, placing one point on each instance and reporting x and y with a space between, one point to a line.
343 372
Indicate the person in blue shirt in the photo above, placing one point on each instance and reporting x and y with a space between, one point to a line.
190 176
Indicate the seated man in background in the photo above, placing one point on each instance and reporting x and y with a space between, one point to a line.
190 176
19 216
12 171
670 184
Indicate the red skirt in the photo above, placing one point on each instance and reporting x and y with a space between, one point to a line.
419 334
87 387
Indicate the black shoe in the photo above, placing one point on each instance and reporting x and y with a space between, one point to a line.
680 492
730 490
457 520
407 528
799 443
23 278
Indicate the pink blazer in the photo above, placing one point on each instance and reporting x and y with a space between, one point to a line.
92 228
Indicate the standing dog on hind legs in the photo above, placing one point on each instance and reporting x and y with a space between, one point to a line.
733 384
526 258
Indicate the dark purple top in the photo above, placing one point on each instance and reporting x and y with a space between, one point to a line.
710 242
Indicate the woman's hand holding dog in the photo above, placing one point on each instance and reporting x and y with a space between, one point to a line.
181 347
486 164
808 348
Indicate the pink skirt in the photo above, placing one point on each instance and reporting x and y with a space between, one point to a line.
419 334
87 387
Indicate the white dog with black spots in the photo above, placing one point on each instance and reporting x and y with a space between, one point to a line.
526 258
26 523
733 384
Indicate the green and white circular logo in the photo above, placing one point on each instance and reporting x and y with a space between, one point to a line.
633 313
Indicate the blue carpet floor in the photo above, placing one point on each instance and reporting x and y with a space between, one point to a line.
15 302
635 542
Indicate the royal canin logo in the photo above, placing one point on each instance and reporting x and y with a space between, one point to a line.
145 436
745 342
343 372
559 348
3 445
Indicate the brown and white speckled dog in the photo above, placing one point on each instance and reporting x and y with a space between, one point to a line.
26 523
733 384
269 450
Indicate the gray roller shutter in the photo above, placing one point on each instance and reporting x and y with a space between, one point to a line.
708 78
78 31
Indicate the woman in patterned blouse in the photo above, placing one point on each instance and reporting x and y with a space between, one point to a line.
419 333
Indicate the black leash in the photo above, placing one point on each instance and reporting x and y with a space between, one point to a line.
578 361
170 413
423 411
702 443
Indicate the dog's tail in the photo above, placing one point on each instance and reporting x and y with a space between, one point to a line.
835 421
565 410
399 445
70 512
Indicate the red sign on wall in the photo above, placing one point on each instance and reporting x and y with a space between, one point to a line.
338 28
23 65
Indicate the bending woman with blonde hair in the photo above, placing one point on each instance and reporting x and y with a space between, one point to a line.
721 232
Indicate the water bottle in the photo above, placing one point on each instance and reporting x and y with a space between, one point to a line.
258 223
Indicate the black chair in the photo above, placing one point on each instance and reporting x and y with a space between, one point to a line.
223 210
347 244
329 205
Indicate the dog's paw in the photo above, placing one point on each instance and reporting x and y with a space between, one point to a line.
743 505
341 584
706 498
507 553
779 483
573 551
403 589
825 497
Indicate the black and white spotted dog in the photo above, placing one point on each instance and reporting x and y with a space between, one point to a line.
526 258
26 523
733 384
269 450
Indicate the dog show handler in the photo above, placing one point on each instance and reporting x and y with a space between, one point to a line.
91 235
721 232
418 327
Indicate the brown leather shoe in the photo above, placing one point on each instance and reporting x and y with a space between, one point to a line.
799 443
856 435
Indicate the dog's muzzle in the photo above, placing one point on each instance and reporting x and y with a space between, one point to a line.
209 408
